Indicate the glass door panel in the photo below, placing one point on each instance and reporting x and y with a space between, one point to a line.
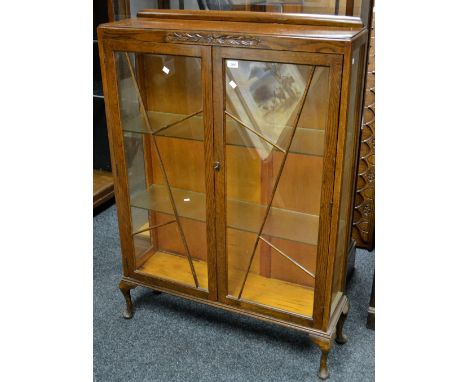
161 110
275 120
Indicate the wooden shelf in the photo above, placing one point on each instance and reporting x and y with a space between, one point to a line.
269 292
306 142
244 216
103 187
175 268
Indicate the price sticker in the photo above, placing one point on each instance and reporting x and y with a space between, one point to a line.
232 64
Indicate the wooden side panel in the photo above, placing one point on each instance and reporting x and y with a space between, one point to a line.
349 145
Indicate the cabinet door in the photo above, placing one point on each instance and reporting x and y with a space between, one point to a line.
163 137
276 117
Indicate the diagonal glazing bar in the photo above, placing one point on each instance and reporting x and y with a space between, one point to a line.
174 208
289 258
163 170
253 131
177 122
153 227
278 177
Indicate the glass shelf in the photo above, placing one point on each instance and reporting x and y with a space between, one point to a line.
243 216
307 141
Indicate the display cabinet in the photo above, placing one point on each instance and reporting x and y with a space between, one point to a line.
234 140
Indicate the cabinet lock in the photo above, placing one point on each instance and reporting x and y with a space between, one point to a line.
217 165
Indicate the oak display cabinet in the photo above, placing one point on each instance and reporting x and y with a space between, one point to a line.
234 142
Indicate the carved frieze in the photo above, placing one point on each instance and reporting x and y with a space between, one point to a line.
212 39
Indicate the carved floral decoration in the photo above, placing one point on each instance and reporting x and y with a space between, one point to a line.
212 39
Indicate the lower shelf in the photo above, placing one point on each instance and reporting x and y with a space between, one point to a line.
175 268
273 293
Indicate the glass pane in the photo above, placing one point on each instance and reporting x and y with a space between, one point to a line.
274 159
160 99
346 191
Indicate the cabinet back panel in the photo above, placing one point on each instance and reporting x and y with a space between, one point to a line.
184 163
178 91
193 231
283 269
305 170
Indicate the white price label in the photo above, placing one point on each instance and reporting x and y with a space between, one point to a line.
233 84
166 70
232 64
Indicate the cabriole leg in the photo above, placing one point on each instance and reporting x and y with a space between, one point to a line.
125 289
325 347
340 336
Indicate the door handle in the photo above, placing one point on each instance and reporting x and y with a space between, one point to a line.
217 166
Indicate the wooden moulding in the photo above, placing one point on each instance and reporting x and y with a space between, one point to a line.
147 35
257 17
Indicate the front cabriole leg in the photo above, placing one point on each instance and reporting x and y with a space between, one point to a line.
125 289
325 346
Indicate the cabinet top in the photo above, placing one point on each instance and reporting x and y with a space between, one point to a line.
295 26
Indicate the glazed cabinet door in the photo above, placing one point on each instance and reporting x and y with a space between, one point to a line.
162 139
275 118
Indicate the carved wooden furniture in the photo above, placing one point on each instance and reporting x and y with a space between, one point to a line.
364 204
234 142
